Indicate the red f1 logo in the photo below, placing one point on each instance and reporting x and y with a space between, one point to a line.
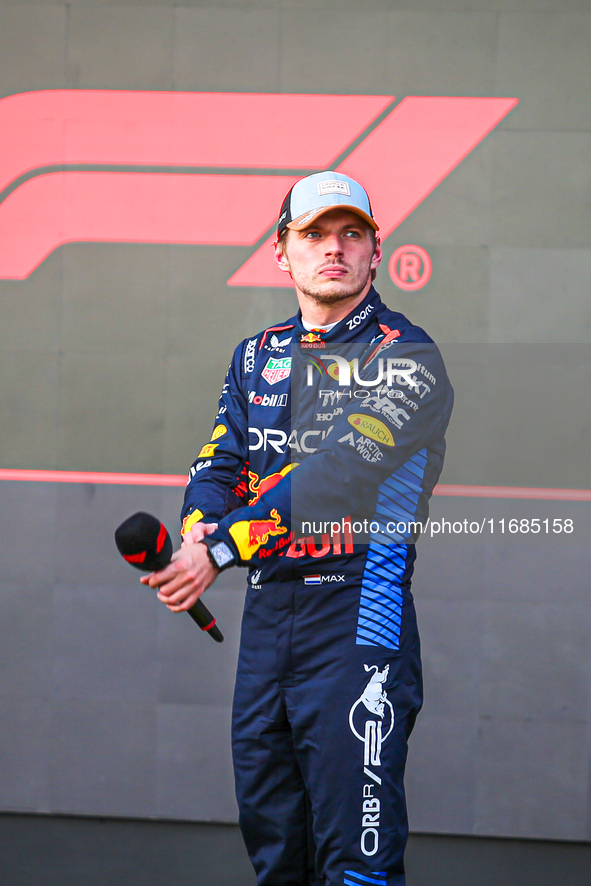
220 137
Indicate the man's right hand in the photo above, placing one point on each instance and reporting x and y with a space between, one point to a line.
197 532
181 583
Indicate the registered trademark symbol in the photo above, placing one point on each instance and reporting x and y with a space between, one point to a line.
410 267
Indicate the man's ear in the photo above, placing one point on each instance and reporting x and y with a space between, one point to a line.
377 255
280 259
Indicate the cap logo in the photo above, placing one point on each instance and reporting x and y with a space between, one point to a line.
333 187
308 216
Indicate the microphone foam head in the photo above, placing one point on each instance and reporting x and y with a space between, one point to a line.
144 542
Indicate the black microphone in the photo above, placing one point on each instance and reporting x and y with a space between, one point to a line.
144 542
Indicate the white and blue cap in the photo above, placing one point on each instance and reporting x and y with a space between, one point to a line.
313 196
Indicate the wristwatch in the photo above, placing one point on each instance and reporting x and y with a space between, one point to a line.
219 553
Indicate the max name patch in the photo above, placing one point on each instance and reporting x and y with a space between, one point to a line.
372 428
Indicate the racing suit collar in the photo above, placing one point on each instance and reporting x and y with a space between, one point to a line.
350 327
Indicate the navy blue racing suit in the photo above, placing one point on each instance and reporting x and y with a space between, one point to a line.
324 453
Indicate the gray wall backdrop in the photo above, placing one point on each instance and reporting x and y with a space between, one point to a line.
112 356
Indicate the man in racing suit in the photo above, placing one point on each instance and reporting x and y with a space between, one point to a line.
328 441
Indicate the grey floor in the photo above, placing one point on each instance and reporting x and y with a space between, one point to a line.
37 850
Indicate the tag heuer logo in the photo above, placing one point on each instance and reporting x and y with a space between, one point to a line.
276 370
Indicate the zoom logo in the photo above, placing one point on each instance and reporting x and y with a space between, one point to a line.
359 318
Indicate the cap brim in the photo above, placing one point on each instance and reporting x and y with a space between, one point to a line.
304 221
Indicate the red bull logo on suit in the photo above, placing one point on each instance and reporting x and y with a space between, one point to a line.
250 535
259 486
370 730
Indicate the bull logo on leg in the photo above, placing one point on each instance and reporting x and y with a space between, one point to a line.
374 696
378 711
375 700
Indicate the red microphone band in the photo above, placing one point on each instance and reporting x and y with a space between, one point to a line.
208 627
161 538
135 558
